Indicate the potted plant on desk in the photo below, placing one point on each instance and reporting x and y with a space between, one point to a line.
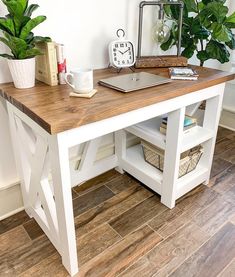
17 32
206 30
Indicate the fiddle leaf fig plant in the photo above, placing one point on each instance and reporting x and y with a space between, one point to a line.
206 30
17 29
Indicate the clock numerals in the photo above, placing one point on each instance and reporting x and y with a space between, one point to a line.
123 54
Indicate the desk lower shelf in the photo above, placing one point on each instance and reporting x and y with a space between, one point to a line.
135 164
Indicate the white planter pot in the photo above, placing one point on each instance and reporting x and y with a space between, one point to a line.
23 72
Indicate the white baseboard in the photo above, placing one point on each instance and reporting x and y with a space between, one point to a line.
10 201
227 120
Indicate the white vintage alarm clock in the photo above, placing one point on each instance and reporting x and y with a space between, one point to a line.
121 52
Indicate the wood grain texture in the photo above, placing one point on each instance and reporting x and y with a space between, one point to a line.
160 61
110 209
137 216
223 133
96 182
55 111
212 218
212 257
13 221
219 165
33 229
169 222
26 256
121 183
95 242
91 199
167 256
13 239
121 255
223 145
229 270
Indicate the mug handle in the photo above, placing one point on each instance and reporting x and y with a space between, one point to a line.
67 81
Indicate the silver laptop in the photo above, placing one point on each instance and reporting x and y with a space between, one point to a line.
134 81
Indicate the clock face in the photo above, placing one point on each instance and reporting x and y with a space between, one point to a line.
122 53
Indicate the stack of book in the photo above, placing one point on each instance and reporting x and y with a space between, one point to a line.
189 122
183 73
51 65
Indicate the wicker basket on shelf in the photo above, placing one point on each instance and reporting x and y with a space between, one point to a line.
188 159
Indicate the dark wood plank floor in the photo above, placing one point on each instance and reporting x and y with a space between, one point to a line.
123 230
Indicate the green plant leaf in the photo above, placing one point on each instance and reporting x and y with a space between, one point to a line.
29 11
191 5
29 53
189 51
209 1
198 30
218 10
7 25
230 21
220 32
203 56
5 41
217 51
38 39
16 45
30 25
231 43
7 56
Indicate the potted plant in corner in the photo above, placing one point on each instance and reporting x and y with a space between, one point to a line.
17 32
206 30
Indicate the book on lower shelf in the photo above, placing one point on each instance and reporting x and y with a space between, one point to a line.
183 73
189 123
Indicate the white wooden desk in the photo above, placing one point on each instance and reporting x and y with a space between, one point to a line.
46 123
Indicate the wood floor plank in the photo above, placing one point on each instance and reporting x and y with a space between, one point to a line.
95 242
13 221
223 145
121 255
224 181
196 200
229 155
214 216
111 208
169 253
120 183
96 182
219 165
24 257
223 133
137 216
91 199
51 266
169 221
212 257
229 271
230 195
33 229
13 239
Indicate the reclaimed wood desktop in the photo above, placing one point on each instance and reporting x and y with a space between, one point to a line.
45 123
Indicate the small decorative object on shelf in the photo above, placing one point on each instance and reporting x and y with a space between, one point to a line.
188 159
189 123
183 73
161 34
121 52
61 62
17 29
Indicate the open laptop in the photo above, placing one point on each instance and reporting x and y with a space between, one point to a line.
134 81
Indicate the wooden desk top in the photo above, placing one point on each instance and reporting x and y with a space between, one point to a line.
55 111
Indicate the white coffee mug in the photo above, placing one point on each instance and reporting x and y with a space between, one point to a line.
81 80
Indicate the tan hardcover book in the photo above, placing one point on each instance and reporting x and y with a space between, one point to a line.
46 64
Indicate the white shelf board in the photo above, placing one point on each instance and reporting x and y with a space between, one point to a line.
149 131
135 164
191 180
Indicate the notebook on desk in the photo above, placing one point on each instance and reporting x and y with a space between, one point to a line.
134 81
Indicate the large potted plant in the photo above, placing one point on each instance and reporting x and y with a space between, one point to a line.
206 30
17 32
